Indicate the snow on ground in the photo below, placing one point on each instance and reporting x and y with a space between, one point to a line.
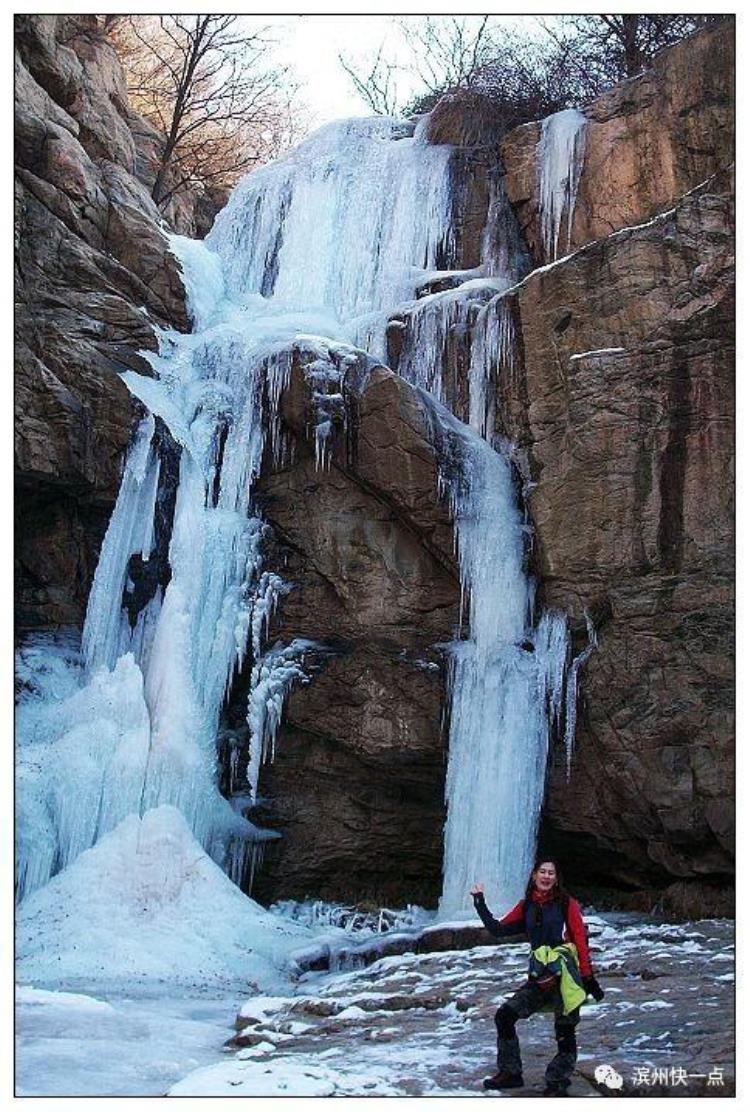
146 1001
422 1024
283 1076
160 962
125 1046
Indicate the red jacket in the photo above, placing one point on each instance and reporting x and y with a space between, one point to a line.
514 922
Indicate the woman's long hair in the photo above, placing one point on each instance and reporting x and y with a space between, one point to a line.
558 891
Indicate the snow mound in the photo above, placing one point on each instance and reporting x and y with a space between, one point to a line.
285 1076
146 903
27 994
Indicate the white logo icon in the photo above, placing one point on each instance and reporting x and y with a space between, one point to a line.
608 1075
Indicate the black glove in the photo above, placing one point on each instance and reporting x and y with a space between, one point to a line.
593 988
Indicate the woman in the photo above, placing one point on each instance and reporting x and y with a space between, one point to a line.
560 976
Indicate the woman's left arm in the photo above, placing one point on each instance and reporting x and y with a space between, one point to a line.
577 934
579 937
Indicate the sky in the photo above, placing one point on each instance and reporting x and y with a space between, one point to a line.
310 45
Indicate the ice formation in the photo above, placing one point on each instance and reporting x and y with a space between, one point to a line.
506 679
146 903
571 689
137 726
492 357
342 225
311 256
560 155
470 321
431 325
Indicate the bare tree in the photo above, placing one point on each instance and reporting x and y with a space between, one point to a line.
448 50
528 74
444 52
601 50
376 84
209 84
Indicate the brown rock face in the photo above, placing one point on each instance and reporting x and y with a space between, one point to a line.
358 779
625 405
92 272
648 140
619 394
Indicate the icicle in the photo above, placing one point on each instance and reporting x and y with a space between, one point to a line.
504 681
422 358
560 155
571 692
325 375
245 854
492 357
273 676
429 325
504 253
552 648
130 531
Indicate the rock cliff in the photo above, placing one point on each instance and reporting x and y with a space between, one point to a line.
619 390
616 387
624 400
357 783
92 274
622 394
649 140
618 398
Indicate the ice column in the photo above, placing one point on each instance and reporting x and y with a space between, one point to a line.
492 357
504 680
273 676
560 155
571 691
130 530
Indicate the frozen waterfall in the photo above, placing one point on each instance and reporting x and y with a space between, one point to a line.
312 254
506 679
135 723
560 154
343 227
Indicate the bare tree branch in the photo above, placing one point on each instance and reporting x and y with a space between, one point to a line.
577 58
211 86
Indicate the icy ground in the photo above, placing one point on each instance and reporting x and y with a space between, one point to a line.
69 1044
422 1024
412 1024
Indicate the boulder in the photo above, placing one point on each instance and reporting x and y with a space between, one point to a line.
357 782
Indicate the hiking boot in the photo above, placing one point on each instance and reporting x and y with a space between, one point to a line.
503 1080
555 1091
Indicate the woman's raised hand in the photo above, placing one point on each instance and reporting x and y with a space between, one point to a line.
477 890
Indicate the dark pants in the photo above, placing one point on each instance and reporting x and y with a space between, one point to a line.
523 1003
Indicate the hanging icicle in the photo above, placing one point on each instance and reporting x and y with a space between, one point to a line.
560 154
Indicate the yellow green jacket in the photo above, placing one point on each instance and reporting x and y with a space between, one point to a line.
562 962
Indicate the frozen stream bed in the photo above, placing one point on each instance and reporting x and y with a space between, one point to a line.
411 1024
112 1044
